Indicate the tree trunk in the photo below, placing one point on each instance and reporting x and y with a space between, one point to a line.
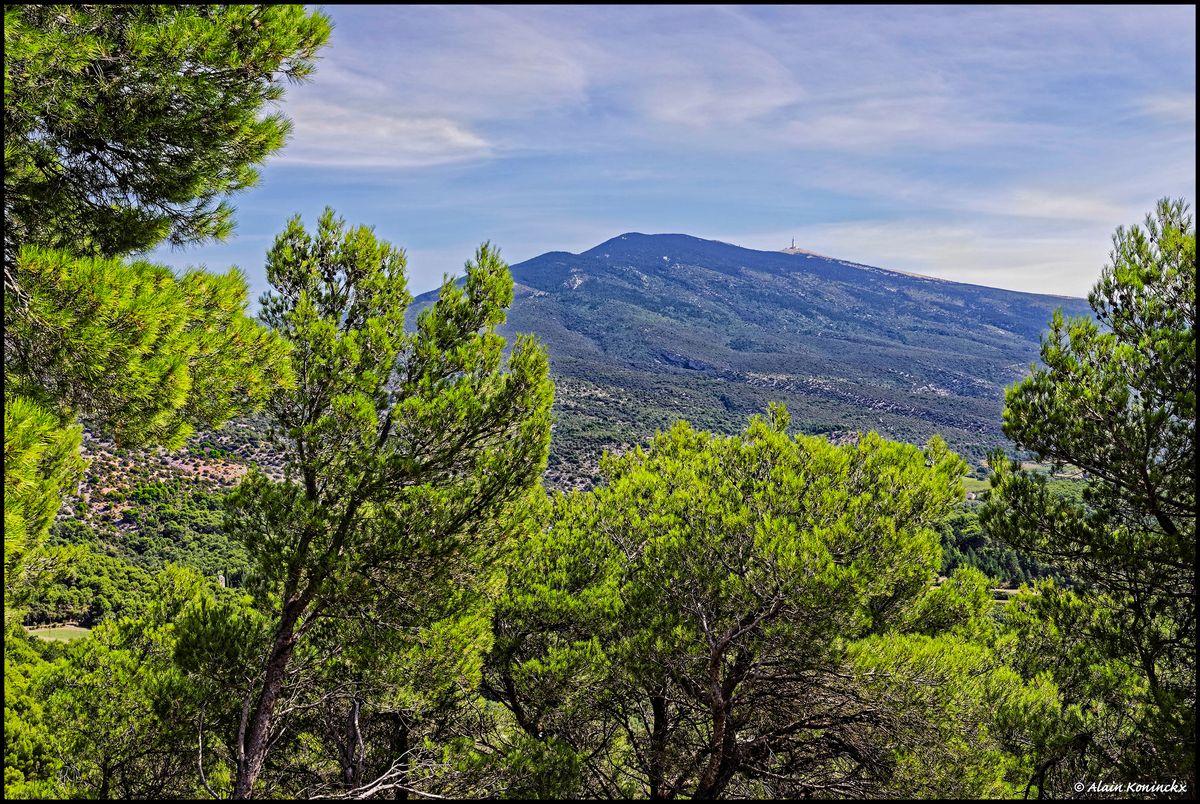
350 752
720 721
723 758
253 751
658 746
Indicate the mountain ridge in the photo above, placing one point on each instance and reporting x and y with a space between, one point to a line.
681 237
643 329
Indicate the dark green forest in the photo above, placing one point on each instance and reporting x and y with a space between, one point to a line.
314 552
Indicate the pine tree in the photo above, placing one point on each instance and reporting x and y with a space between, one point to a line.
41 462
140 354
408 455
126 125
1116 398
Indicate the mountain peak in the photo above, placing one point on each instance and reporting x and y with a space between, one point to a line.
637 241
647 328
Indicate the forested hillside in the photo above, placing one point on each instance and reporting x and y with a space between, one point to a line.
646 329
319 552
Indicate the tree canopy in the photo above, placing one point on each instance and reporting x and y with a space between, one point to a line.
139 353
734 616
127 125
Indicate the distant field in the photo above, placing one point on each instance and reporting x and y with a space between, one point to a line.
60 633
974 484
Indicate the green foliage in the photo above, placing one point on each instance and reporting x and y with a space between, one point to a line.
31 751
965 544
408 461
133 349
121 719
755 615
41 462
688 627
1117 395
125 125
164 523
1115 398
960 721
961 605
102 692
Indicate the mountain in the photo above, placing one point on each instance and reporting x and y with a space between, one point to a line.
645 329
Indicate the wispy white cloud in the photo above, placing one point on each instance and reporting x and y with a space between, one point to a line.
719 78
418 86
1052 206
922 123
998 144
333 135
1171 108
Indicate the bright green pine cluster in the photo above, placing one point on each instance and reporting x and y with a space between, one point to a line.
133 349
41 463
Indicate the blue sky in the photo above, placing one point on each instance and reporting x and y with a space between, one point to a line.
994 145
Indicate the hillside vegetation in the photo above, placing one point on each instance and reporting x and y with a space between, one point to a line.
643 330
